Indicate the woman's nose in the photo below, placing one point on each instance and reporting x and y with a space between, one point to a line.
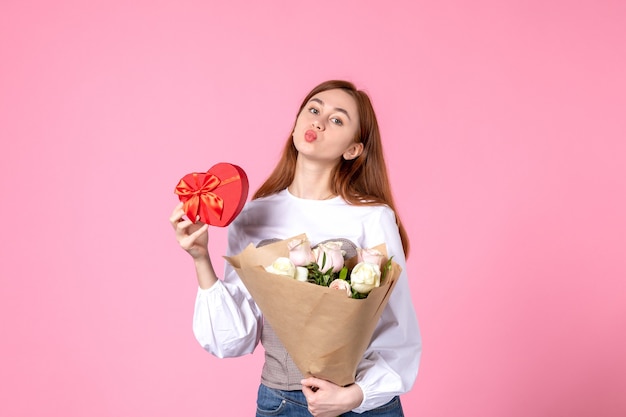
317 125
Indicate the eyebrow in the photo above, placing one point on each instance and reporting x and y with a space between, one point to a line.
339 109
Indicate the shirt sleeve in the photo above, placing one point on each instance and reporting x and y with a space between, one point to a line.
226 321
390 363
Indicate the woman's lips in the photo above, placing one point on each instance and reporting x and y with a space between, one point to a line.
310 136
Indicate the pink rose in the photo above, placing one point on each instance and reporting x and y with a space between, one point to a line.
329 256
300 252
340 284
371 256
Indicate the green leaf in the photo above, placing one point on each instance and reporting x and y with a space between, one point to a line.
343 274
357 295
386 268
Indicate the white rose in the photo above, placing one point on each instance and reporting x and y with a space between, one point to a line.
282 266
302 274
340 284
365 277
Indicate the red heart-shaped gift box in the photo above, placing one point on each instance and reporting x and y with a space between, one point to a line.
217 196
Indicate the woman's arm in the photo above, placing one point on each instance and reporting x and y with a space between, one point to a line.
226 322
390 363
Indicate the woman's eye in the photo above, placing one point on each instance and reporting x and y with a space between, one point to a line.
314 110
336 121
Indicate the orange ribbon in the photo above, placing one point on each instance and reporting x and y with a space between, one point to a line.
195 191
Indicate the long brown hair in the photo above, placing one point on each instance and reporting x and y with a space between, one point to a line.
360 181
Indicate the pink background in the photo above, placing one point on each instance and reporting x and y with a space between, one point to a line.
504 126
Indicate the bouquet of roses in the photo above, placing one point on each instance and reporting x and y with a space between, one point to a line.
325 265
325 332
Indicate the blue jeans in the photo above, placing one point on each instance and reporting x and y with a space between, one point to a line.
277 403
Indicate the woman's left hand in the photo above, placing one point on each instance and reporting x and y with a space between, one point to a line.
326 399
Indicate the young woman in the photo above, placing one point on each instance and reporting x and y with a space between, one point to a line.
331 182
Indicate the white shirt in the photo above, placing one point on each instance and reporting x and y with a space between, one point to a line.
228 323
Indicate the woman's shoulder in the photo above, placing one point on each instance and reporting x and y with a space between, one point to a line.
260 205
372 206
381 212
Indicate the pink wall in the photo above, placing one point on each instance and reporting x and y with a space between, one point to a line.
504 126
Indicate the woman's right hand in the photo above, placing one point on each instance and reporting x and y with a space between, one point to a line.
192 237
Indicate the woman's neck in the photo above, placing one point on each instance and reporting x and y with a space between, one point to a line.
311 182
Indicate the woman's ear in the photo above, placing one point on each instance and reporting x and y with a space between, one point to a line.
353 151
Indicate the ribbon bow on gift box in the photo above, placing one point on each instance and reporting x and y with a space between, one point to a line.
216 197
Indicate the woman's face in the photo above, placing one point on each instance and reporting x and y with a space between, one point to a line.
326 127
